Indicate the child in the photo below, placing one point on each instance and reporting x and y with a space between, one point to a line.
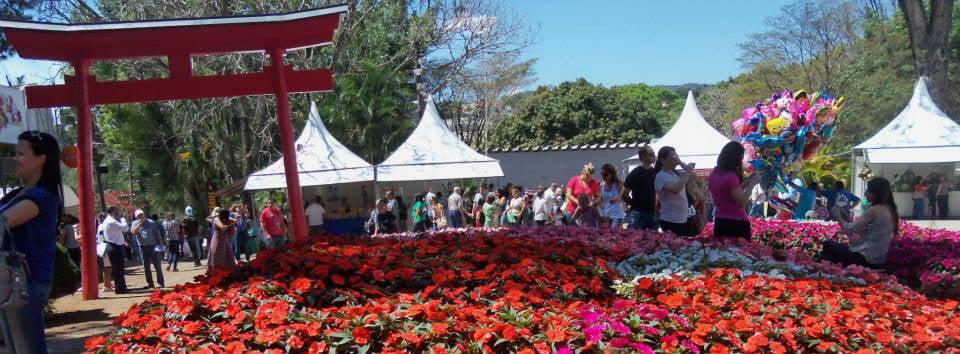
586 214
490 212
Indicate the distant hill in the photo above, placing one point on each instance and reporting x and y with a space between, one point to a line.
683 88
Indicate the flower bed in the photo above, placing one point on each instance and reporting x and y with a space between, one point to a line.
520 290
925 259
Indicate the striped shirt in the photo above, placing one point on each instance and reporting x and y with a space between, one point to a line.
172 229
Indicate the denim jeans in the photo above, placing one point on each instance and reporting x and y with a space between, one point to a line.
943 206
918 208
196 249
151 258
616 223
276 241
641 220
23 327
240 245
173 246
454 219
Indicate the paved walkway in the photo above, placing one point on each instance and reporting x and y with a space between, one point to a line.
74 320
952 225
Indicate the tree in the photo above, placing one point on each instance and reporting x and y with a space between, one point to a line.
579 112
41 10
929 40
374 56
464 32
803 47
371 108
477 100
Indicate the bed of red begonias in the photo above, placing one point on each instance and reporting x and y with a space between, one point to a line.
532 291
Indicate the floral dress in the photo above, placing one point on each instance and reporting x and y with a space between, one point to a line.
220 256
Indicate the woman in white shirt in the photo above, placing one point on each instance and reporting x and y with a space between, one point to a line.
540 212
671 190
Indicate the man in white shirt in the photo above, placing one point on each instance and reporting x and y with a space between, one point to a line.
430 195
391 201
315 215
478 200
113 228
550 202
455 210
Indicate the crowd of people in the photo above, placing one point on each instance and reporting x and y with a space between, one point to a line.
931 194
662 193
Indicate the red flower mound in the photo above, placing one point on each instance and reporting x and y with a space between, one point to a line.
518 290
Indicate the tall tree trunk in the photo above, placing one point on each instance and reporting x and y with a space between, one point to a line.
929 37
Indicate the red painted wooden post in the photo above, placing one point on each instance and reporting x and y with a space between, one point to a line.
88 225
287 141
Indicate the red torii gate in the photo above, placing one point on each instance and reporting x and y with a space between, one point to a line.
177 40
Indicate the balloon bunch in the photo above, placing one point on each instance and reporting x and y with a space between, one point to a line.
782 132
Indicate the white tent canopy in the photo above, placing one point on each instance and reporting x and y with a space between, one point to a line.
433 152
321 160
921 133
695 140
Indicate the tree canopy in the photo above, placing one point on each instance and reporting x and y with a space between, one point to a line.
579 112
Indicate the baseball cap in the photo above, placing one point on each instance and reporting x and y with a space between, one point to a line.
137 213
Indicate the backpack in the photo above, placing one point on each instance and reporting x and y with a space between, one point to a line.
191 226
402 206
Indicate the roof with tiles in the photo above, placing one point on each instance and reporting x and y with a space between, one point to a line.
610 146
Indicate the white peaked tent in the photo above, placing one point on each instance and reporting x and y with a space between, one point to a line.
433 152
921 133
921 139
695 140
321 160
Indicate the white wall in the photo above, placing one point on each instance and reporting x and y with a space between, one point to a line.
534 168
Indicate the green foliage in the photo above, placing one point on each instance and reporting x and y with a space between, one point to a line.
827 167
583 113
371 107
225 140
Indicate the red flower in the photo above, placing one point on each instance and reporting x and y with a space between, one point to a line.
301 285
361 335
94 342
317 348
556 335
509 332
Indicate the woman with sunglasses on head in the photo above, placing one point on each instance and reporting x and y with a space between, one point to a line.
582 184
871 233
612 212
31 214
671 188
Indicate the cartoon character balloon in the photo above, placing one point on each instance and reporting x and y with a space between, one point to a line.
784 130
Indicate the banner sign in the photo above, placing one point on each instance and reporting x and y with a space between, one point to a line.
13 114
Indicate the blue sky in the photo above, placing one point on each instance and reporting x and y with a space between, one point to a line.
613 41
655 42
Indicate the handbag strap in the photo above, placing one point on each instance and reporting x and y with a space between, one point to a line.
5 234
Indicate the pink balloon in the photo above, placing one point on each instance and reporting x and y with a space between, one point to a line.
749 153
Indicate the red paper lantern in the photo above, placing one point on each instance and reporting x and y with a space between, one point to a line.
71 156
